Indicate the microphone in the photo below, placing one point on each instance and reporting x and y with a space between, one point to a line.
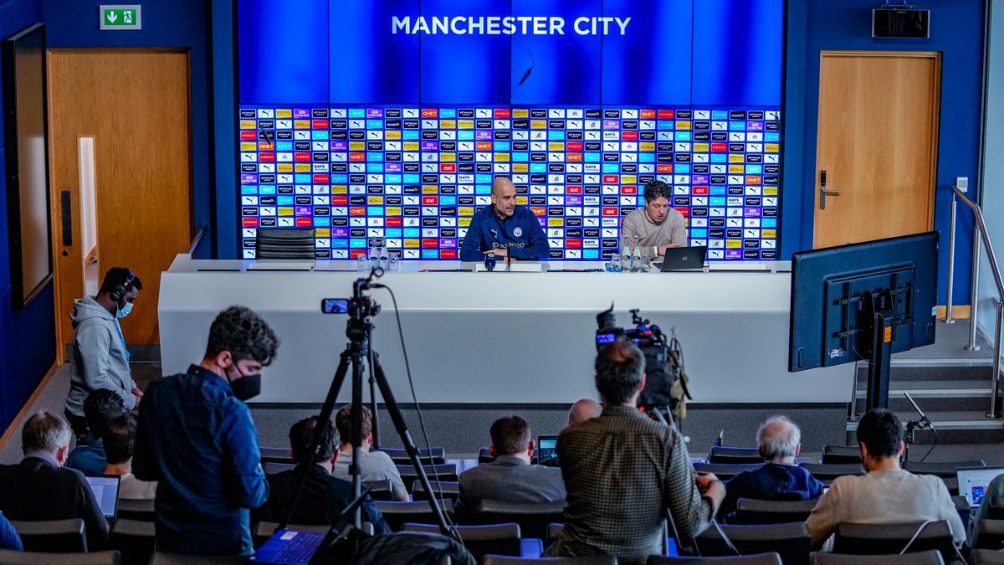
721 438
526 73
924 422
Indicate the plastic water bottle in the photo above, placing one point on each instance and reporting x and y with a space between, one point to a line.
374 253
636 258
625 255
384 259
362 262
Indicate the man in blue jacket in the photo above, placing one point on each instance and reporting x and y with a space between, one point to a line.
505 229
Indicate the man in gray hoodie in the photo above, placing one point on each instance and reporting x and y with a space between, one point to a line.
99 359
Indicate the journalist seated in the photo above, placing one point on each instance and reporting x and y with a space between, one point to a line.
510 477
374 466
887 494
323 496
100 407
120 443
780 478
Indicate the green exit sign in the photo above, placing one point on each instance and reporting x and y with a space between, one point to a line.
121 17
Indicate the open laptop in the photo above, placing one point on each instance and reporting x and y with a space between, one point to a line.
295 547
547 448
106 493
684 258
973 482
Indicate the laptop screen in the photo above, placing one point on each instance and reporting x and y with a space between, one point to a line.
547 447
973 482
106 493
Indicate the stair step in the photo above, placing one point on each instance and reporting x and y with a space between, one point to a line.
953 427
942 370
938 389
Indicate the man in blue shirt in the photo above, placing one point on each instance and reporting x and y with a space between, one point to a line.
505 229
778 441
196 438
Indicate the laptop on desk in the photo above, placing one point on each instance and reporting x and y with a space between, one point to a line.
684 258
973 482
106 493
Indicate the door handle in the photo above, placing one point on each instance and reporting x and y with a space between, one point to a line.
67 219
824 192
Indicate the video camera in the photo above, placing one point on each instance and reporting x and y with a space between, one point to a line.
665 378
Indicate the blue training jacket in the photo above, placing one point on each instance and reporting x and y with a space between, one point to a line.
520 233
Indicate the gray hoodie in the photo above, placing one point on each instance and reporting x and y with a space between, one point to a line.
98 356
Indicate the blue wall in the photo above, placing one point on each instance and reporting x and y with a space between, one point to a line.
27 337
956 32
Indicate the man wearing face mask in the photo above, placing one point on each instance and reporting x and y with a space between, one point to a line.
195 437
99 358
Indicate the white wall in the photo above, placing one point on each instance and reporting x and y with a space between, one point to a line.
993 171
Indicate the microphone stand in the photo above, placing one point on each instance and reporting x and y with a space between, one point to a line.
912 426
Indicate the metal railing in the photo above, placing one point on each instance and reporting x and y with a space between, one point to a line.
198 238
979 236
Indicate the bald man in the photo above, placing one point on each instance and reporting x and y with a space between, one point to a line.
505 229
582 410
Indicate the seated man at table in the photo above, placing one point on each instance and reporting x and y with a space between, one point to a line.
374 466
510 477
656 226
323 496
778 441
504 228
887 494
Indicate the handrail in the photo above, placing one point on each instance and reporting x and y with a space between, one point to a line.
198 238
980 235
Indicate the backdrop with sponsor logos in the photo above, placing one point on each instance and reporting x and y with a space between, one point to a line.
383 123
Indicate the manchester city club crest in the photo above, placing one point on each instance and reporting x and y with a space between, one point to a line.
517 232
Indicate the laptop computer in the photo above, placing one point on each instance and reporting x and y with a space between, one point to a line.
547 448
106 493
684 258
294 547
973 482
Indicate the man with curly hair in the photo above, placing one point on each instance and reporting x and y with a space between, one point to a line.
196 439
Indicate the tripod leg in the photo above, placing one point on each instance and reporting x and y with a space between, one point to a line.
409 445
357 425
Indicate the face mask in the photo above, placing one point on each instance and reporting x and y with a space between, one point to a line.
247 387
124 311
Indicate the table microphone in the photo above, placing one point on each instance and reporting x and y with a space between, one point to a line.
924 422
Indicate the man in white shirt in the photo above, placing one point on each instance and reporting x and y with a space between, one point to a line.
887 494
373 465
656 226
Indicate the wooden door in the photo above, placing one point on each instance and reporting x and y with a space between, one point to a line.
876 145
131 107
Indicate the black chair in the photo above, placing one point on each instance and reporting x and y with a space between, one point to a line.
986 557
396 514
136 509
275 455
445 472
996 508
946 470
446 489
181 559
379 490
792 541
734 455
825 473
552 533
52 536
989 534
264 530
272 467
841 455
930 557
772 558
484 456
883 539
9 557
532 517
133 539
753 511
400 456
284 243
590 560
497 539
962 507
725 472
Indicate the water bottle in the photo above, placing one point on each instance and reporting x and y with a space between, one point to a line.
362 262
636 258
374 253
384 259
625 255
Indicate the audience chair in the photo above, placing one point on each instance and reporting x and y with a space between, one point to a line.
275 455
986 557
772 558
841 455
882 539
996 508
734 455
53 536
133 539
753 511
9 557
930 557
484 456
264 530
446 489
379 490
181 559
133 509
272 467
497 539
962 507
400 456
825 473
946 470
725 472
445 472
590 560
552 533
792 541
989 534
532 517
397 513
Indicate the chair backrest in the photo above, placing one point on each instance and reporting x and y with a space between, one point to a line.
721 454
792 541
273 467
264 530
881 539
587 560
448 489
986 557
397 513
380 490
553 531
444 472
137 509
485 456
134 539
841 455
10 557
945 470
52 536
182 559
996 508
725 471
275 455
930 557
532 517
989 534
284 243
825 473
754 511
498 539
400 456
770 558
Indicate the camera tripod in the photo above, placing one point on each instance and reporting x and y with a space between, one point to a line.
359 330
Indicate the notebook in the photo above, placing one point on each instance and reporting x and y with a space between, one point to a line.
684 258
547 448
106 493
973 482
